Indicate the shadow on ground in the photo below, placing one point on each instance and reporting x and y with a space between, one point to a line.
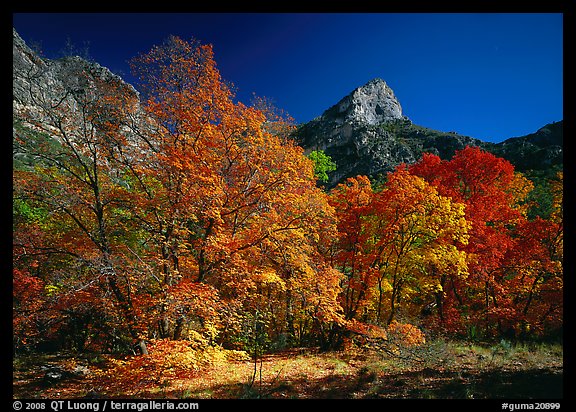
423 384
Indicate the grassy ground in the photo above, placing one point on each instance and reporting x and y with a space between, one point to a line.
440 369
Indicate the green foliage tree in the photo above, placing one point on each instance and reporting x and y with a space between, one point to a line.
323 164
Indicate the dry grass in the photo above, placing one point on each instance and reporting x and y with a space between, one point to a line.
439 369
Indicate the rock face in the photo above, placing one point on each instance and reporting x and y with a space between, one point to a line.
370 104
54 96
24 61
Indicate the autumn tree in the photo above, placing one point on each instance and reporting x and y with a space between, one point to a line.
65 167
533 270
418 235
352 201
229 202
278 121
173 213
396 244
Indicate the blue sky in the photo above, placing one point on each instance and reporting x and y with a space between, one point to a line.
487 75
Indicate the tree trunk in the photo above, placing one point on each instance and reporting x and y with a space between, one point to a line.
290 318
128 312
179 328
392 308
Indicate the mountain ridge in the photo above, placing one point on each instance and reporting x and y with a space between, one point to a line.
363 143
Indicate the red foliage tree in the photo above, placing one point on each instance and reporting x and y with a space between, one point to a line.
503 248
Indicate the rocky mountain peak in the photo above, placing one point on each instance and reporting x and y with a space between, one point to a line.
370 104
365 133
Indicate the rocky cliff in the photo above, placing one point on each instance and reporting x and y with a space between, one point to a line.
63 99
41 85
370 104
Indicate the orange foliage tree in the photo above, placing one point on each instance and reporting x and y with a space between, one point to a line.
227 203
397 247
